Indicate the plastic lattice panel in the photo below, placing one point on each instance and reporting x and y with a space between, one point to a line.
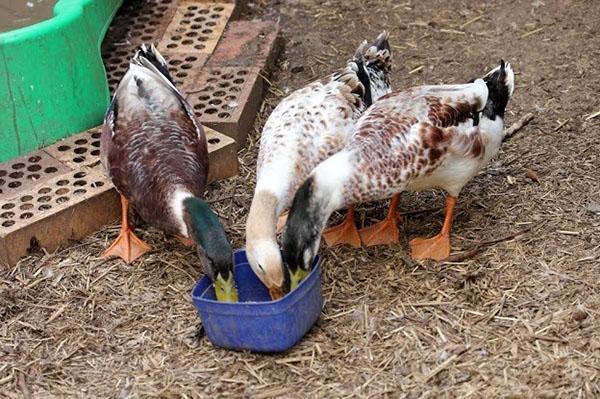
21 173
196 27
53 195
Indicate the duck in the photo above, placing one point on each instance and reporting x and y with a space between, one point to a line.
308 126
421 138
155 153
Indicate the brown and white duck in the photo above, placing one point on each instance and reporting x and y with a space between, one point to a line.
155 152
425 137
308 126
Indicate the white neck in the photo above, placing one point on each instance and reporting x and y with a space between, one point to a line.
176 204
331 178
262 218
493 134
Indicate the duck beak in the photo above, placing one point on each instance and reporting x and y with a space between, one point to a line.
276 293
296 277
225 290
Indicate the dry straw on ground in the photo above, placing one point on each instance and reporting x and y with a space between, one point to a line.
520 318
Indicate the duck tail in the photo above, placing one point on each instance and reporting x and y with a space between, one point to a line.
147 84
378 54
149 57
501 85
372 64
366 73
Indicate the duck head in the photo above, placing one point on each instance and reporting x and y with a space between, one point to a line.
266 261
302 234
213 247
262 250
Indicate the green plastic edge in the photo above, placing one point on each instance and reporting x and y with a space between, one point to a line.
52 79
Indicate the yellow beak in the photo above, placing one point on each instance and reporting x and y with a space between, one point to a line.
297 277
225 290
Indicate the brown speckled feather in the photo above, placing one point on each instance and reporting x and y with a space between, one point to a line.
425 137
316 121
404 138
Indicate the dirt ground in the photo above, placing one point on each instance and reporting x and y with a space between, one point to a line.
521 318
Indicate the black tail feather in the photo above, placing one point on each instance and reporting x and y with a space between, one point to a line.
382 41
500 83
151 54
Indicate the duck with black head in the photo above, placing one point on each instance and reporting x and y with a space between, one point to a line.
421 138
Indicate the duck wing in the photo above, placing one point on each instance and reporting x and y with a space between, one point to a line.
408 134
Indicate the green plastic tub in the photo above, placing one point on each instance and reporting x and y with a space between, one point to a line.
52 79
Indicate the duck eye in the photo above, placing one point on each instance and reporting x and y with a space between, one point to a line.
260 267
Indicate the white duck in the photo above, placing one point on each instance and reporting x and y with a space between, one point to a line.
307 127
425 137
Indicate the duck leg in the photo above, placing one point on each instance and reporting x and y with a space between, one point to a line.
344 233
386 231
281 221
437 247
127 246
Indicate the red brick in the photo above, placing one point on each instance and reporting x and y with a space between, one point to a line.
18 175
248 44
69 206
222 152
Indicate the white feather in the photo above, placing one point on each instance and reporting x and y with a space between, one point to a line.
331 176
176 204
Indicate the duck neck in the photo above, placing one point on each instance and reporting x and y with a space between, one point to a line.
205 228
313 203
262 218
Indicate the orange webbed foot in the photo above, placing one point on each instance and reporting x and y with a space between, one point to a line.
344 233
386 231
127 246
436 248
382 233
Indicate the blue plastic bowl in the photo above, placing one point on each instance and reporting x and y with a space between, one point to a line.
257 323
